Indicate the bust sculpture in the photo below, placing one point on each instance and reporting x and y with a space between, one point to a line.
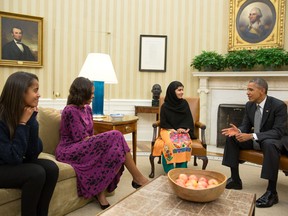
156 90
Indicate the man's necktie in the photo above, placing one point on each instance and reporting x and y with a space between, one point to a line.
257 123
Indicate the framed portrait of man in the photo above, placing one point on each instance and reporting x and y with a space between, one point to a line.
21 40
255 24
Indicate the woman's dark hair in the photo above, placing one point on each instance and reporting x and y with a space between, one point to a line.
80 91
170 92
12 98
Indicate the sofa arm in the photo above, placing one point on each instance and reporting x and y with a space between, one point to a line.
202 128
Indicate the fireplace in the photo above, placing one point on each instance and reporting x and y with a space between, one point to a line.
227 114
229 87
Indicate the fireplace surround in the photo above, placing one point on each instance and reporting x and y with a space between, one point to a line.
229 87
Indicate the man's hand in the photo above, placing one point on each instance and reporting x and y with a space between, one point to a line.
232 131
242 137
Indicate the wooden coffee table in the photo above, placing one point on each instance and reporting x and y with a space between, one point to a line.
157 198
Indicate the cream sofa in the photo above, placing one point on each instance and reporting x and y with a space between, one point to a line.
65 198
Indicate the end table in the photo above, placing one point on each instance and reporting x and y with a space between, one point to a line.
127 125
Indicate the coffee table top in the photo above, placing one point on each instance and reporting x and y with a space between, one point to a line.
157 198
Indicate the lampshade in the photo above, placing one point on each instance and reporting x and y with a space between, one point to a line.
98 68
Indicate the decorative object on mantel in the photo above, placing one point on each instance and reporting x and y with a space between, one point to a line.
269 59
208 61
272 58
240 60
156 90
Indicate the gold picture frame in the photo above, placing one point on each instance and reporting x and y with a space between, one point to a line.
255 24
21 40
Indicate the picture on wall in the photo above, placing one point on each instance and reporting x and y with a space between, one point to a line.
153 52
255 24
21 40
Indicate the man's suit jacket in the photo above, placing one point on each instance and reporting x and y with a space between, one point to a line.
11 51
274 119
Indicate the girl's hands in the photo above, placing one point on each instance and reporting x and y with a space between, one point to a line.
27 113
181 130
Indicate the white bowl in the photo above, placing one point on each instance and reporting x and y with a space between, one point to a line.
117 116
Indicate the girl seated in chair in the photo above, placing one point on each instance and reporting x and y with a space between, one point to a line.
177 129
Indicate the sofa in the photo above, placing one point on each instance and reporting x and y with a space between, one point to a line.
65 198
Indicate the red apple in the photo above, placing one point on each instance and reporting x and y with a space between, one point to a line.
194 177
191 182
191 187
180 182
183 177
202 183
203 179
200 187
213 182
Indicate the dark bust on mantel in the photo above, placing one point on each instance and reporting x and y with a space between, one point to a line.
156 90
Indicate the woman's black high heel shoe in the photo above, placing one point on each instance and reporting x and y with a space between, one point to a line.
135 185
102 206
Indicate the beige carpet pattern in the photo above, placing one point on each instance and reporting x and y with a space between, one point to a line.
249 173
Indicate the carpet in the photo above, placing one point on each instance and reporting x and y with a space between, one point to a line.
249 173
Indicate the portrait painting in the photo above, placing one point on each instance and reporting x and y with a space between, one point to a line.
21 40
255 24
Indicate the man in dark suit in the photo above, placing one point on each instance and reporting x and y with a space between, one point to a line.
15 49
271 115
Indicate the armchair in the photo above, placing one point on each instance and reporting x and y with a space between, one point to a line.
199 147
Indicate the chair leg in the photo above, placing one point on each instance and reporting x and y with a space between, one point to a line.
205 161
195 161
203 158
159 159
151 158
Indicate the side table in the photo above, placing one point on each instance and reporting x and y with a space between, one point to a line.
147 109
127 125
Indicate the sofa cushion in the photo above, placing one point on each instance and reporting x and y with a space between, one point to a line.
49 124
66 171
8 195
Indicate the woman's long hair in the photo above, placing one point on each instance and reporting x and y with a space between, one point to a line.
12 98
80 91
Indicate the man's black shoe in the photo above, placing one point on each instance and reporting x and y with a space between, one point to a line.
268 199
231 184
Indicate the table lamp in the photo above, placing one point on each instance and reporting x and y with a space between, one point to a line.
98 68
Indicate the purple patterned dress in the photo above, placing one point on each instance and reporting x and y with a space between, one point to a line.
98 160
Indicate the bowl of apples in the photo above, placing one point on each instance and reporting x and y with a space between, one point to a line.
197 185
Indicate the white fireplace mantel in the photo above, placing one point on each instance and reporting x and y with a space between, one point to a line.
230 87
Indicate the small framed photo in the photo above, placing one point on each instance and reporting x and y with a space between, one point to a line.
255 24
21 40
153 53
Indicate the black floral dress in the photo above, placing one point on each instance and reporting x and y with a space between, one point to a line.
97 159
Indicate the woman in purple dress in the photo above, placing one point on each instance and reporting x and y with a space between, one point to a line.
98 160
